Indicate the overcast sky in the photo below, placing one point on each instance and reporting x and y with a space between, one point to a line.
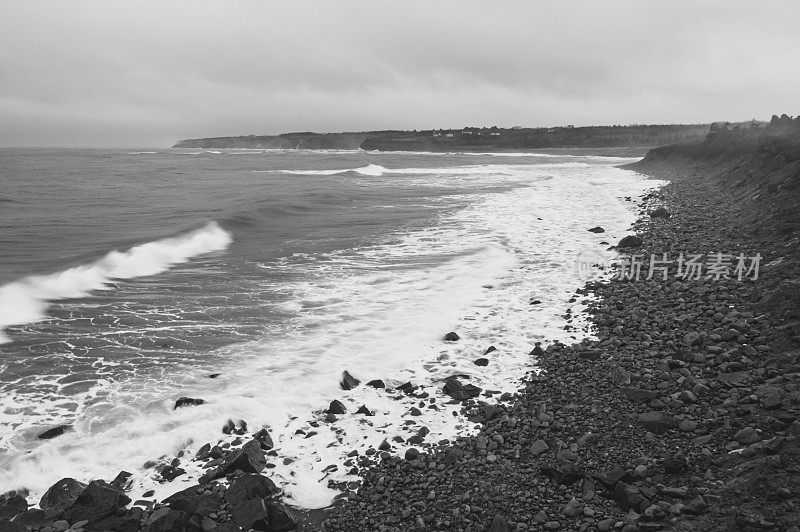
140 73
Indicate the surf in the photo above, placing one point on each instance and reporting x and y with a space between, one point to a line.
27 301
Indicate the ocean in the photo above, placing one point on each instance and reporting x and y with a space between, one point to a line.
128 277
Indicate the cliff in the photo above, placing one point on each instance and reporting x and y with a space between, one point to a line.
757 171
468 139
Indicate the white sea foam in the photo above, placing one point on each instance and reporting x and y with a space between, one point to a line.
379 312
26 301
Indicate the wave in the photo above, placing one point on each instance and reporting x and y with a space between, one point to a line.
142 153
26 301
370 170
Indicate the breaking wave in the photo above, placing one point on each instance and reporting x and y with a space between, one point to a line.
26 301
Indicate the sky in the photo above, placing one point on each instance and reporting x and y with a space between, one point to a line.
138 73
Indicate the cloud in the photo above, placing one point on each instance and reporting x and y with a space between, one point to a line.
148 73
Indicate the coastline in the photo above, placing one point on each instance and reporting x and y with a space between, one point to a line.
683 415
571 450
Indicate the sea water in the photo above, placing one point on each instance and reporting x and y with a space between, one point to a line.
128 277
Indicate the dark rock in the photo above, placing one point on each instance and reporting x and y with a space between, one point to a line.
481 362
692 339
696 506
171 521
32 519
537 351
214 375
377 383
188 401
538 447
280 519
263 437
365 411
411 454
451 337
170 473
499 524
628 496
747 436
228 427
597 229
460 392
11 505
638 394
630 241
61 495
249 486
97 501
188 500
610 477
674 466
336 407
565 473
55 431
251 514
656 422
348 382
490 349
121 480
660 212
203 452
125 523
249 459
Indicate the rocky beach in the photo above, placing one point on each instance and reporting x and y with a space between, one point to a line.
683 413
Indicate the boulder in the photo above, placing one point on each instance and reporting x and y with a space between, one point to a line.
61 495
537 351
124 523
170 473
377 383
11 505
336 407
460 392
249 459
451 337
538 447
191 502
597 229
660 212
348 382
280 519
98 500
55 431
630 241
170 521
250 486
481 362
263 437
187 401
251 514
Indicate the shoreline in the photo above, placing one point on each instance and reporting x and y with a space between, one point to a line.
572 451
656 425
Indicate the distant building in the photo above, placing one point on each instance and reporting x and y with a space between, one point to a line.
516 127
